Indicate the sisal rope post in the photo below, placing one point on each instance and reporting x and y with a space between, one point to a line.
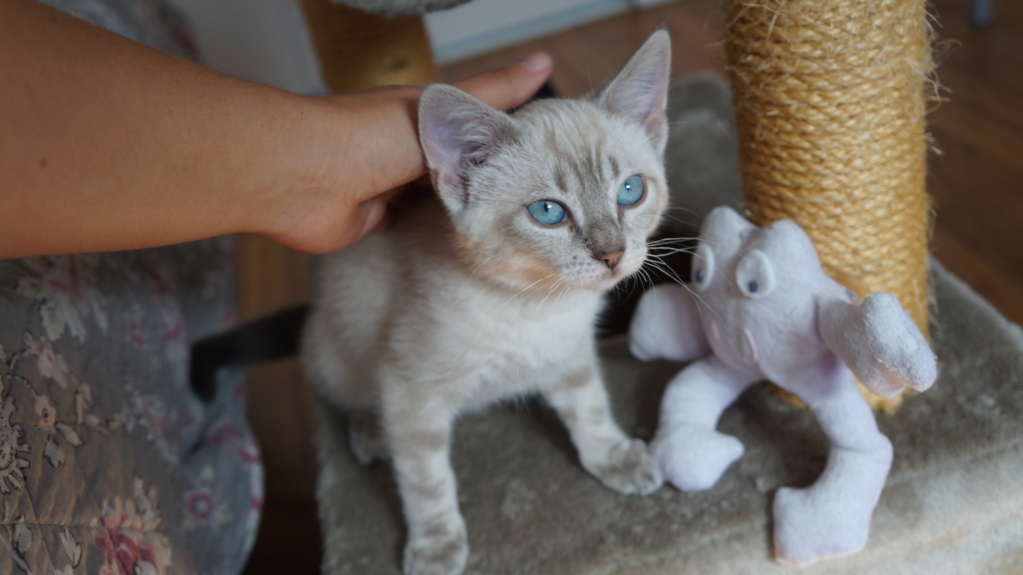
830 98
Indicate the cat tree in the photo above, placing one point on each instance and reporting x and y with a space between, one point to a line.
359 49
829 100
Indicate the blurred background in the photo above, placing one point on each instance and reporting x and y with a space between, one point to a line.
975 171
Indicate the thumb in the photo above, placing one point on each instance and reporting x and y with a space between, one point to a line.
511 86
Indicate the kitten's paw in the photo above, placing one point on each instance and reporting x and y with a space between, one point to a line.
437 550
628 469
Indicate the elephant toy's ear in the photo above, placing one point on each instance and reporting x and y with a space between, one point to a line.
667 325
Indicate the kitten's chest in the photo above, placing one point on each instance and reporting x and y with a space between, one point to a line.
533 332
520 345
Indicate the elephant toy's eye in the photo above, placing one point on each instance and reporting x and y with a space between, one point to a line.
754 275
703 267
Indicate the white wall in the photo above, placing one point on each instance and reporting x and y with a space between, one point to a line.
261 40
485 25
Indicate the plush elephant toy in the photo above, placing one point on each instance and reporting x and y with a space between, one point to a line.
759 307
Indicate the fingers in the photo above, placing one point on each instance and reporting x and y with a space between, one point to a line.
378 149
510 86
388 138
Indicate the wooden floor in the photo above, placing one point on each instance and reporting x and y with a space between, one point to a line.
976 183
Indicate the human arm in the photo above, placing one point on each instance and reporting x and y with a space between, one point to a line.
107 144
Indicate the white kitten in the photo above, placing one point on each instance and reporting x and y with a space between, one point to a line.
490 289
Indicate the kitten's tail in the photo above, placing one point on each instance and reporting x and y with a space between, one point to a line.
267 338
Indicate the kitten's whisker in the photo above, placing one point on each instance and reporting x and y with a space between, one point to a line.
677 219
679 246
479 266
564 291
671 240
671 273
664 255
523 395
495 311
617 290
665 251
673 243
636 279
677 240
682 209
689 289
675 246
646 276
520 292
628 284
659 264
550 290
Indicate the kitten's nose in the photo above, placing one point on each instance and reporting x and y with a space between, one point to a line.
611 258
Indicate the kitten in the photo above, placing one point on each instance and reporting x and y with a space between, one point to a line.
489 289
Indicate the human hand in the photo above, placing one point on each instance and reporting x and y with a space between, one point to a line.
109 145
368 152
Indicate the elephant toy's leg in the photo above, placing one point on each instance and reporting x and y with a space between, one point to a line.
832 517
688 450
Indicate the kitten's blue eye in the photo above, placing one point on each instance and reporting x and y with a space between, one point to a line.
631 191
547 212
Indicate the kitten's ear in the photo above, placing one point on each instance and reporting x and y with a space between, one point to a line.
457 132
640 90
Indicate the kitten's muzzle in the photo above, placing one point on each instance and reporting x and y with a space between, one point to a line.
610 258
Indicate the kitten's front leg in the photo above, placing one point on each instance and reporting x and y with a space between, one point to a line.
619 462
419 435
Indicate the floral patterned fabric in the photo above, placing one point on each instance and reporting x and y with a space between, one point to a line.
109 464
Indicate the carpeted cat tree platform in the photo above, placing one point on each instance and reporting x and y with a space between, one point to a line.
953 502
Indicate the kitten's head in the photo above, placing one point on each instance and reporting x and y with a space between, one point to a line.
563 191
